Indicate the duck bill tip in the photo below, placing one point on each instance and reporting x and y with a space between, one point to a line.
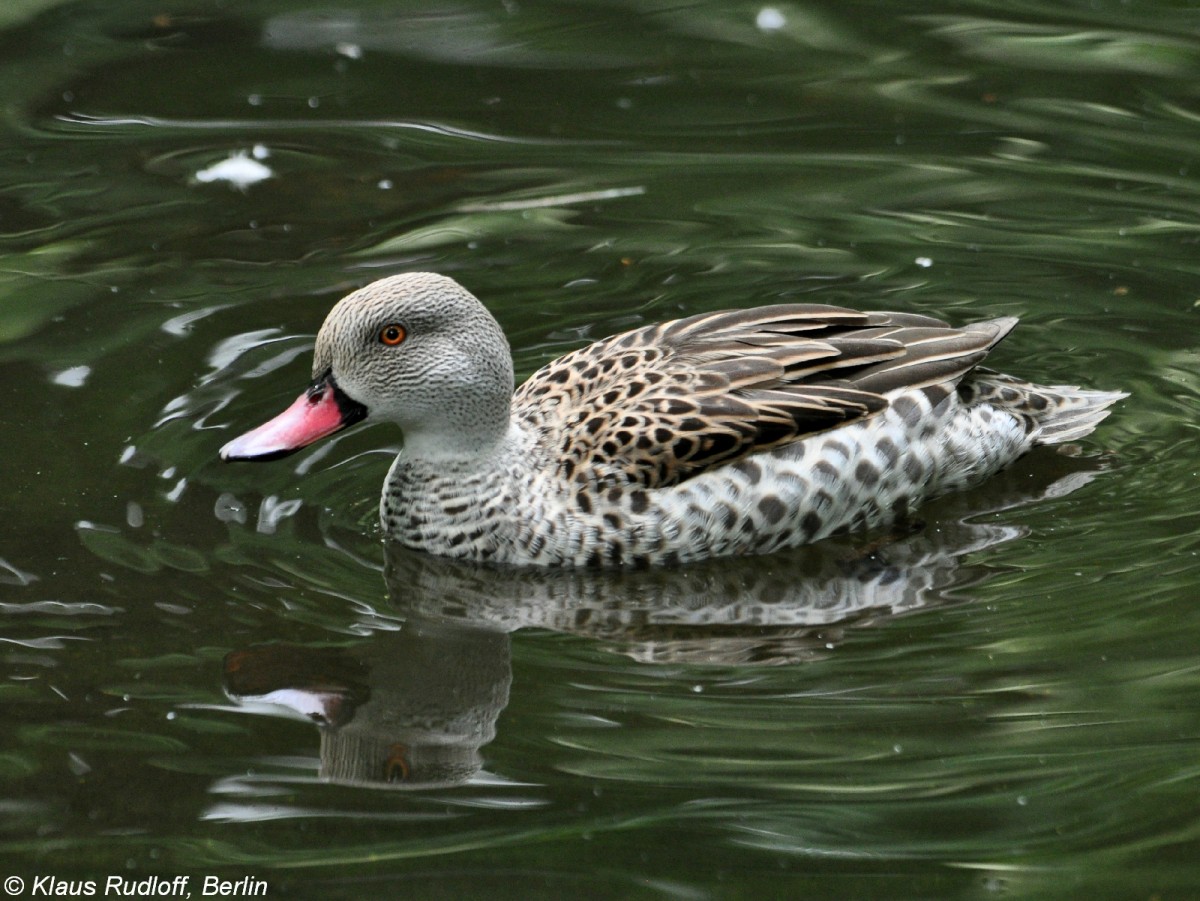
319 412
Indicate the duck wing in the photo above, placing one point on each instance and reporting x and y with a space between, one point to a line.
660 404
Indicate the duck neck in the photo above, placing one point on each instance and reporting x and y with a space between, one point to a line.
453 504
436 450
465 442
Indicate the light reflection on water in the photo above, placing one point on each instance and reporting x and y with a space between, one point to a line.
1001 701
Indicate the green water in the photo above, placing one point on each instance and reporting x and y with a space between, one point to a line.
1002 704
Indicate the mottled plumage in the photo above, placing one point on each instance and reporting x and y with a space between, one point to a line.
724 433
658 405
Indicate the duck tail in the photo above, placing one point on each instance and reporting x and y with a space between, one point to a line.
1055 413
1070 412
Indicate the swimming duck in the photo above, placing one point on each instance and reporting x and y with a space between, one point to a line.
734 432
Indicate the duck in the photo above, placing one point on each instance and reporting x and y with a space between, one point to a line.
735 432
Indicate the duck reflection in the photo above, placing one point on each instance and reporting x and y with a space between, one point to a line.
413 707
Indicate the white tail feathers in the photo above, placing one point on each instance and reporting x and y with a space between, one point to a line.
1070 412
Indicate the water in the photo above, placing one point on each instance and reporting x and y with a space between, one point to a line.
998 705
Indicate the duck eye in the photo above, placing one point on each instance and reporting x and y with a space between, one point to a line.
395 768
393 334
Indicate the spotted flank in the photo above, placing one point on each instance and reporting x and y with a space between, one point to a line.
736 432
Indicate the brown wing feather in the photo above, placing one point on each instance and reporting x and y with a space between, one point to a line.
659 404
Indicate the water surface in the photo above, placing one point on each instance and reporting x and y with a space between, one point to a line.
999 704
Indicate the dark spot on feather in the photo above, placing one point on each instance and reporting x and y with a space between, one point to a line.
772 508
629 361
612 520
827 469
559 376
455 509
908 409
644 442
683 448
721 444
595 558
567 468
936 395
751 470
811 524
583 502
867 474
611 397
594 425
728 516
888 448
838 448
692 424
1009 395
625 438
914 469
662 435
1038 402
614 495
638 501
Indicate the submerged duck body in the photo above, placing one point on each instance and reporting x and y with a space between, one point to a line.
736 432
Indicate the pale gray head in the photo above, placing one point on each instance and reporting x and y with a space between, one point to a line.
419 350
416 349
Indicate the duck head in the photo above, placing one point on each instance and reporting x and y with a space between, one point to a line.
415 349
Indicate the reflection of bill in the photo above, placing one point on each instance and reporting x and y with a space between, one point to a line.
413 707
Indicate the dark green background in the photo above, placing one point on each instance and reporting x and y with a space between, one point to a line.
1026 725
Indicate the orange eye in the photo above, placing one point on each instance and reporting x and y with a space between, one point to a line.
395 768
393 334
